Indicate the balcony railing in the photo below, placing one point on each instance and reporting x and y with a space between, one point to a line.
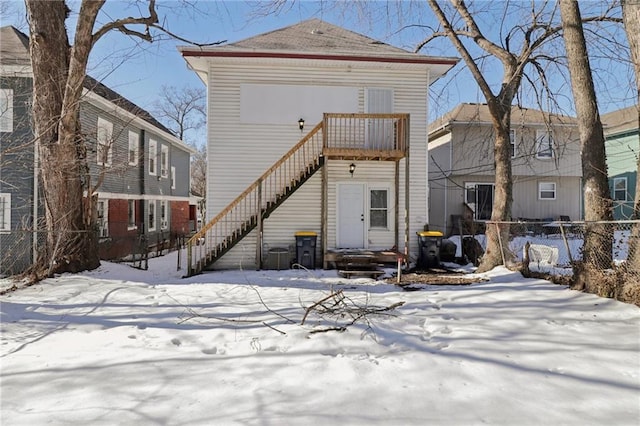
366 136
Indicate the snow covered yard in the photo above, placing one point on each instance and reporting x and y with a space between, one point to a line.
128 347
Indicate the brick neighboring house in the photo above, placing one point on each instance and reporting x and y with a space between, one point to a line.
622 136
144 196
547 174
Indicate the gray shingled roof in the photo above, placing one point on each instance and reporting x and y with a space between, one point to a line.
14 49
314 35
479 113
622 120
14 46
318 37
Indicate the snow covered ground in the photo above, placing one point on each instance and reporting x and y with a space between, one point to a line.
119 346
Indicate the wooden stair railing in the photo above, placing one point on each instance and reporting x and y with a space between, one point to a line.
242 215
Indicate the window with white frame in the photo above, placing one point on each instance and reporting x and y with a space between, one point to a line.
153 153
544 144
546 190
173 177
134 140
620 189
6 110
5 211
164 224
104 142
131 214
103 218
151 216
512 141
378 208
164 161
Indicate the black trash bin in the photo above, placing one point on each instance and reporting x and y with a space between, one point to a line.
306 249
429 243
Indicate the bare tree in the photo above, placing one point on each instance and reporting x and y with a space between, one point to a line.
181 110
59 70
199 172
597 249
533 35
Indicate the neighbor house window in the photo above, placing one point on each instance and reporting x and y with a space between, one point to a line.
153 152
173 177
103 218
133 148
620 189
378 209
151 218
104 142
131 214
163 215
164 161
512 141
546 191
5 212
6 110
544 144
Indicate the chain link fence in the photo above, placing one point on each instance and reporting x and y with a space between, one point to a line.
19 248
558 250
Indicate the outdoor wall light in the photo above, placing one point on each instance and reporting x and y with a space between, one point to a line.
352 168
301 124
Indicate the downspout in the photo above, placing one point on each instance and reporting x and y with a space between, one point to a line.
142 176
36 195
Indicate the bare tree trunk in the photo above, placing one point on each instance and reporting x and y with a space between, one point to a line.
631 20
597 249
57 84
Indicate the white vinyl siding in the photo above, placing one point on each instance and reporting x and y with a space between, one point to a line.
153 157
5 212
546 191
6 110
134 140
164 161
238 153
104 148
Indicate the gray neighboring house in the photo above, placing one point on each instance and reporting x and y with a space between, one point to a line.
143 199
547 173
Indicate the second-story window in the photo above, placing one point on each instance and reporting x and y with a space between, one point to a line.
620 189
5 212
512 140
544 144
104 148
6 110
153 154
173 177
133 148
164 161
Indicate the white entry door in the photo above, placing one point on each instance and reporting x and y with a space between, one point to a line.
350 215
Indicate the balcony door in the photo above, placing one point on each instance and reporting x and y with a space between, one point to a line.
379 133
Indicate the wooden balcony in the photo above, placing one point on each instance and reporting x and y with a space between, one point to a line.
382 137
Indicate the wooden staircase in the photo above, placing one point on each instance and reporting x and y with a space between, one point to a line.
256 203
